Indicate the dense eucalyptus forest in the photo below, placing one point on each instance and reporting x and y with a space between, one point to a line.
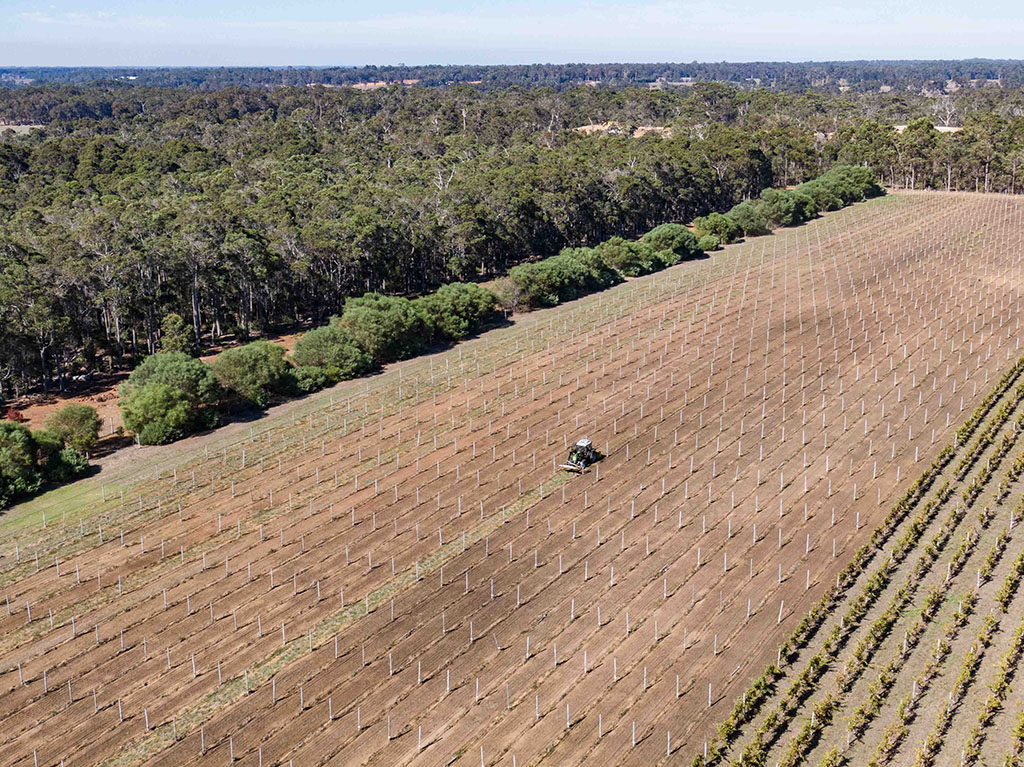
245 209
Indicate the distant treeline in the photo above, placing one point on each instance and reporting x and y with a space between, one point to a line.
789 76
244 210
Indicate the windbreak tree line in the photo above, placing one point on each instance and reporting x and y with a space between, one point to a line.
577 271
172 394
241 209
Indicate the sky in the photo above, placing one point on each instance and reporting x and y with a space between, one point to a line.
340 32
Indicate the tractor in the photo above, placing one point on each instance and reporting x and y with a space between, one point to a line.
581 455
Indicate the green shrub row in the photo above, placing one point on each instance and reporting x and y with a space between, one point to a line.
988 436
577 271
839 187
878 691
1010 584
807 738
861 656
896 731
994 555
1011 476
973 490
171 394
1013 757
756 751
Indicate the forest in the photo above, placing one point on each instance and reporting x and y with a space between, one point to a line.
250 209
827 76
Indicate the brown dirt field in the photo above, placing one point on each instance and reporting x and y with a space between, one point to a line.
36 408
757 409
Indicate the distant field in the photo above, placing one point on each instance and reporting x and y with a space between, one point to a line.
394 572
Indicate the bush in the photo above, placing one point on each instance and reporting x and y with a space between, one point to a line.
158 413
65 465
311 378
784 208
634 258
850 183
709 243
332 349
254 373
76 426
809 208
175 335
185 399
511 295
675 238
824 198
720 225
385 327
598 273
456 310
18 470
192 378
749 219
29 458
544 283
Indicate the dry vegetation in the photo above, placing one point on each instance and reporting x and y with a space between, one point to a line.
393 572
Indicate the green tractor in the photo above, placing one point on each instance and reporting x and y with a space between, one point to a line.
581 455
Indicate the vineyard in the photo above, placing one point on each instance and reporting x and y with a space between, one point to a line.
802 546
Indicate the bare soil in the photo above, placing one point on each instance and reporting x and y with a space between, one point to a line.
760 411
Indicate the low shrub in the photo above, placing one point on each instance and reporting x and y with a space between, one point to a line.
254 373
456 310
782 207
822 195
749 218
332 349
77 426
675 238
311 378
28 459
19 472
544 283
634 258
185 400
720 225
709 243
598 273
387 328
158 413
849 183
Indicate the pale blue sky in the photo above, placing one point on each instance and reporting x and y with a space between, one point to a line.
319 32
